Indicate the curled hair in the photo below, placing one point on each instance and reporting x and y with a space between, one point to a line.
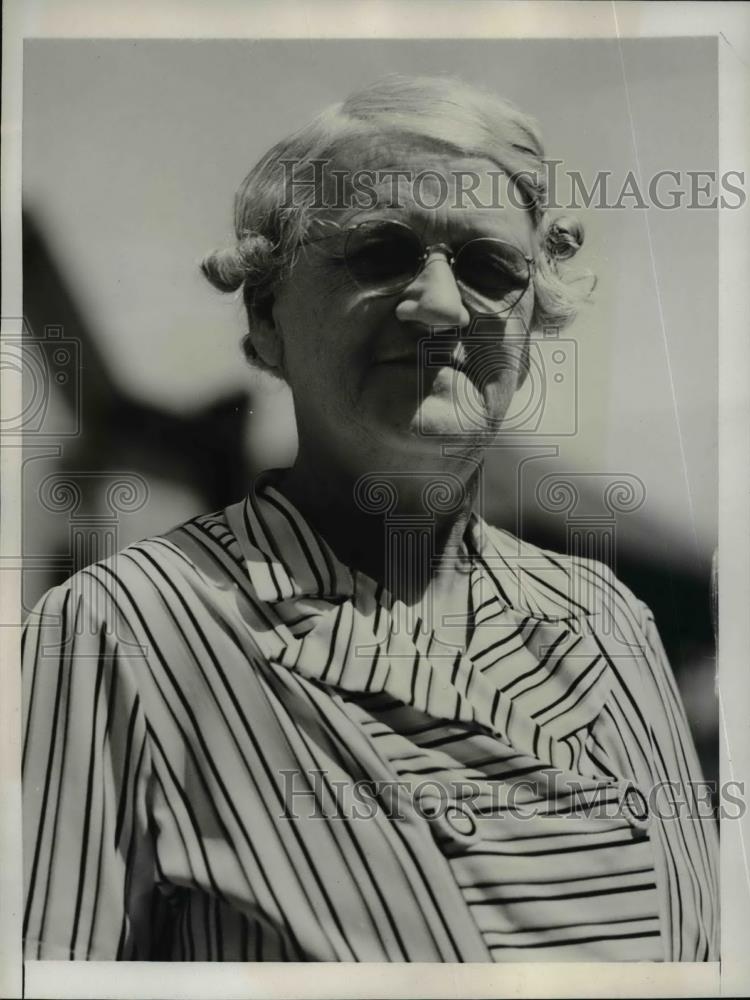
435 114
558 291
249 261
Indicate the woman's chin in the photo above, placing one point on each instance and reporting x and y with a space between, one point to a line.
439 418
435 424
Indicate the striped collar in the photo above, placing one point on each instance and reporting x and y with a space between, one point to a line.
532 673
285 558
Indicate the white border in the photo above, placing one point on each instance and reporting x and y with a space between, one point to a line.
734 504
417 19
269 981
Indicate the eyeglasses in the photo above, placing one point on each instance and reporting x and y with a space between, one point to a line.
386 255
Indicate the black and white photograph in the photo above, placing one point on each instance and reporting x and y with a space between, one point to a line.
372 543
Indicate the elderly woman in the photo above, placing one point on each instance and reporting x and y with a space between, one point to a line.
345 719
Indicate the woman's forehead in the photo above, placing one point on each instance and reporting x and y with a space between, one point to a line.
469 195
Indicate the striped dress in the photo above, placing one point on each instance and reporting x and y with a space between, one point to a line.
236 748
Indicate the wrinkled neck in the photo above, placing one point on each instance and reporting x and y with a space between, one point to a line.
406 531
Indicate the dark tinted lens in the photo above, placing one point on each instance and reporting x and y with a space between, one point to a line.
382 254
495 270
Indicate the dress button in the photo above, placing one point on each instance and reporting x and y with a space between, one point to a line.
461 821
451 821
634 808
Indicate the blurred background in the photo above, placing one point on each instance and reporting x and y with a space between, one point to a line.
140 411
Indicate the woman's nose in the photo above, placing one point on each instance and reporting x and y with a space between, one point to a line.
433 297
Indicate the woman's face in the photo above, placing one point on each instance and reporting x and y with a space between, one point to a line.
384 380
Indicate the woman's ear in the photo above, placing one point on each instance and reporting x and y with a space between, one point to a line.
264 334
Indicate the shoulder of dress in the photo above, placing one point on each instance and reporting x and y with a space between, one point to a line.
587 580
185 550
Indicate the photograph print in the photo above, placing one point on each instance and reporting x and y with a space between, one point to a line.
370 500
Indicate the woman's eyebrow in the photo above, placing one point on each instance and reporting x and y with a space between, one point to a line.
457 229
